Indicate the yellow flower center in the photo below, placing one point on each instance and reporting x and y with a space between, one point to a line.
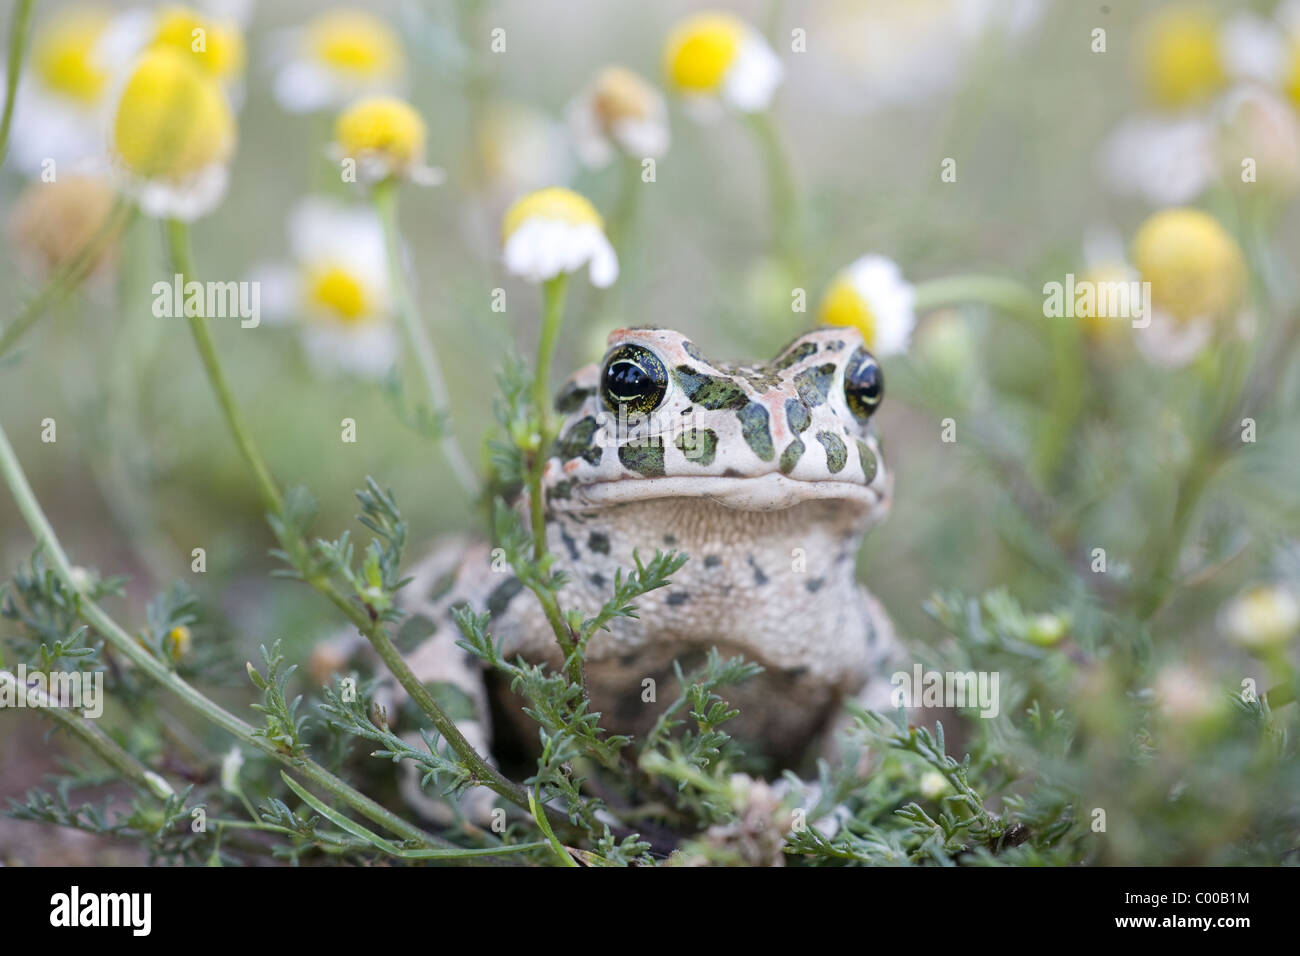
382 124
1292 82
218 47
700 50
173 119
338 292
554 203
178 642
1195 268
63 55
620 94
352 41
1180 57
844 306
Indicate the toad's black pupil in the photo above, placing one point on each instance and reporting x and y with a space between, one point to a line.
626 379
867 383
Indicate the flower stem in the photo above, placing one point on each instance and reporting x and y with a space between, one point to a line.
552 318
178 245
1004 294
371 627
68 276
782 195
385 200
138 655
18 26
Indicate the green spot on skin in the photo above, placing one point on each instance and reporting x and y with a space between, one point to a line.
693 350
795 355
709 391
561 491
579 442
814 384
790 457
797 414
646 458
598 542
836 454
755 430
868 459
571 396
699 445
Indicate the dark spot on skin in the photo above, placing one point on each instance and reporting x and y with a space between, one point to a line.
796 672
677 598
836 454
569 544
712 561
502 593
709 391
797 414
699 445
835 345
795 355
670 541
571 396
579 442
868 459
442 586
759 577
814 384
754 428
814 585
644 457
790 457
732 473
597 579
627 660
561 491
693 350
598 542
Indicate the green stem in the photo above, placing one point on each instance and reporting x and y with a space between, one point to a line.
112 753
782 195
68 276
1004 294
178 246
371 627
18 25
552 318
385 200
138 655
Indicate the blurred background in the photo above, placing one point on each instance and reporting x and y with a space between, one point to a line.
1066 440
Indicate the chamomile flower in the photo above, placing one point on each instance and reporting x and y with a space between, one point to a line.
871 296
618 112
1197 277
1165 159
213 40
386 137
172 136
64 97
555 231
1180 56
336 288
714 59
1262 618
339 56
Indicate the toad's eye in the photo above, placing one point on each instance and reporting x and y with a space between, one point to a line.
864 384
633 377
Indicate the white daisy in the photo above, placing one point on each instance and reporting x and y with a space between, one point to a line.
338 56
716 59
1262 618
337 288
64 97
555 231
1167 160
618 112
385 137
871 296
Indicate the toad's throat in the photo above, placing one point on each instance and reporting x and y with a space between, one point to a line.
770 492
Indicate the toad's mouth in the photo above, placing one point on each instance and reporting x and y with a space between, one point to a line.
770 492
